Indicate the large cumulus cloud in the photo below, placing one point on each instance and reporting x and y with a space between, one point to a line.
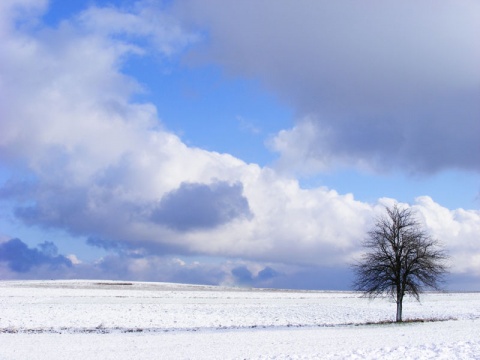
86 158
101 166
376 84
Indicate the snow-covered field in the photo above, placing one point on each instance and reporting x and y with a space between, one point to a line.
123 320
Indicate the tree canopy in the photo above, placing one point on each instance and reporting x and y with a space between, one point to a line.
400 258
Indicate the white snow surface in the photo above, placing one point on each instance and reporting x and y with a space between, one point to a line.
135 320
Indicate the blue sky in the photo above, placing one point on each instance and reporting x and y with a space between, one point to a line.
238 143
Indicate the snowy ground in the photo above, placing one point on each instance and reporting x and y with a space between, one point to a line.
120 320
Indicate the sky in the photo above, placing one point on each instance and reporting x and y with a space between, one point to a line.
244 143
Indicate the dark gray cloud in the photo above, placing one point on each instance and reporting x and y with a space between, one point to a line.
104 244
267 277
201 206
81 211
315 278
302 278
267 274
20 258
242 275
206 275
462 282
382 84
57 206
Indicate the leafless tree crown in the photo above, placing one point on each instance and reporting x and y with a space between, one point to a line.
400 258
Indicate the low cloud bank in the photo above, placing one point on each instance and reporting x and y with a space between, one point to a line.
22 259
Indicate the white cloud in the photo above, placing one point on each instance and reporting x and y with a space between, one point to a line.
28 10
142 20
73 258
457 229
295 146
102 163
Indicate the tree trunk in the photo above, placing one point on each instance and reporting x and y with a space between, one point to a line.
399 308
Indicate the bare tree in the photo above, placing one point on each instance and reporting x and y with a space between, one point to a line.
400 258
